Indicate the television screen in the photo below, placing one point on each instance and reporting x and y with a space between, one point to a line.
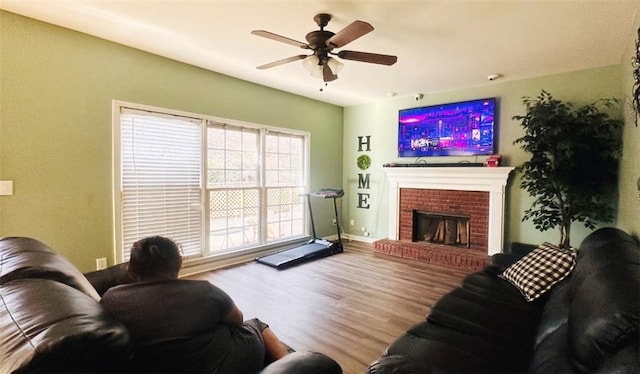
455 129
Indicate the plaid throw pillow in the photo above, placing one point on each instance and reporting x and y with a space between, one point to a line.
539 270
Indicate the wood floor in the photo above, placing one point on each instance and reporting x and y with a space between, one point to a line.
349 306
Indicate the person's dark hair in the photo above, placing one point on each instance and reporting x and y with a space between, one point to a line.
154 256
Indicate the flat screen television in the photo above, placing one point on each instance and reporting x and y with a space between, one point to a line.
463 128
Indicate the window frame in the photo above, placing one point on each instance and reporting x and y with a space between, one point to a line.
204 122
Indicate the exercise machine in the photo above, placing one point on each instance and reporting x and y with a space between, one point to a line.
316 247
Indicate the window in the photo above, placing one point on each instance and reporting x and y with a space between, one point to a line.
233 186
217 187
284 182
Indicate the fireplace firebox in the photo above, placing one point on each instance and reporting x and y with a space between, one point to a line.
440 228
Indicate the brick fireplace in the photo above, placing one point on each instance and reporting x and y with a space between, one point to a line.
474 195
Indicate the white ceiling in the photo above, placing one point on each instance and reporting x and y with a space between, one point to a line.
441 45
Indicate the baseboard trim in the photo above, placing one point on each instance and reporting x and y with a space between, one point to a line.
351 237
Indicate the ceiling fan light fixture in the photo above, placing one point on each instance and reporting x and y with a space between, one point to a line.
311 64
317 72
335 65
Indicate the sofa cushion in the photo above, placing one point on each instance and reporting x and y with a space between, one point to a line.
46 325
29 258
604 247
551 354
303 363
556 311
538 271
487 282
498 322
626 360
605 308
439 349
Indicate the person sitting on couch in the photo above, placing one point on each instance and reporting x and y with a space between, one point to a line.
185 325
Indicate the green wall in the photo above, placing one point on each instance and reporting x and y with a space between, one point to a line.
57 88
379 120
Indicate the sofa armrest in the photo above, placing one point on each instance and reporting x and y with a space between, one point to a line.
500 261
104 279
27 258
303 363
399 364
48 326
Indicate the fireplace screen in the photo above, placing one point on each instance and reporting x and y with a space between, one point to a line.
441 228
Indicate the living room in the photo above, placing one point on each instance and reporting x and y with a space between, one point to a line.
58 86
71 155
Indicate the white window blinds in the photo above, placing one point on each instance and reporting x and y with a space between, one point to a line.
161 179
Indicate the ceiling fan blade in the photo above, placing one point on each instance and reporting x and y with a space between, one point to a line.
350 33
327 74
374 58
280 38
282 62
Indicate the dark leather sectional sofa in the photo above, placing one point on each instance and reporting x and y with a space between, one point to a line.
51 320
587 322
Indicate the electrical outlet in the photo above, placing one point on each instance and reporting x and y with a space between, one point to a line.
352 222
101 263
333 222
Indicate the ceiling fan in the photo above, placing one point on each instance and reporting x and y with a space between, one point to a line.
322 42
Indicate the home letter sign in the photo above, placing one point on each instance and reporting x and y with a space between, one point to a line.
364 161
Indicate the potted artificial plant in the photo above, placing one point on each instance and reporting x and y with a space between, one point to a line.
572 172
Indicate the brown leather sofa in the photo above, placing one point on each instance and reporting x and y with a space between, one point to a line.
51 319
587 323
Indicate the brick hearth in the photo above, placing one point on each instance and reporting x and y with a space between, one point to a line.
434 253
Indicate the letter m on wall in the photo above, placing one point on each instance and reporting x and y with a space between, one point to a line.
363 181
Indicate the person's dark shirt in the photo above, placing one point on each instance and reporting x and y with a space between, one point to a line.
175 316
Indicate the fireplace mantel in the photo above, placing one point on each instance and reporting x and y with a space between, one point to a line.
490 179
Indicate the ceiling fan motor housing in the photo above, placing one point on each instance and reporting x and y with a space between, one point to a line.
318 39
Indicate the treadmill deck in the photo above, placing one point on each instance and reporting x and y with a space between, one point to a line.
289 257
